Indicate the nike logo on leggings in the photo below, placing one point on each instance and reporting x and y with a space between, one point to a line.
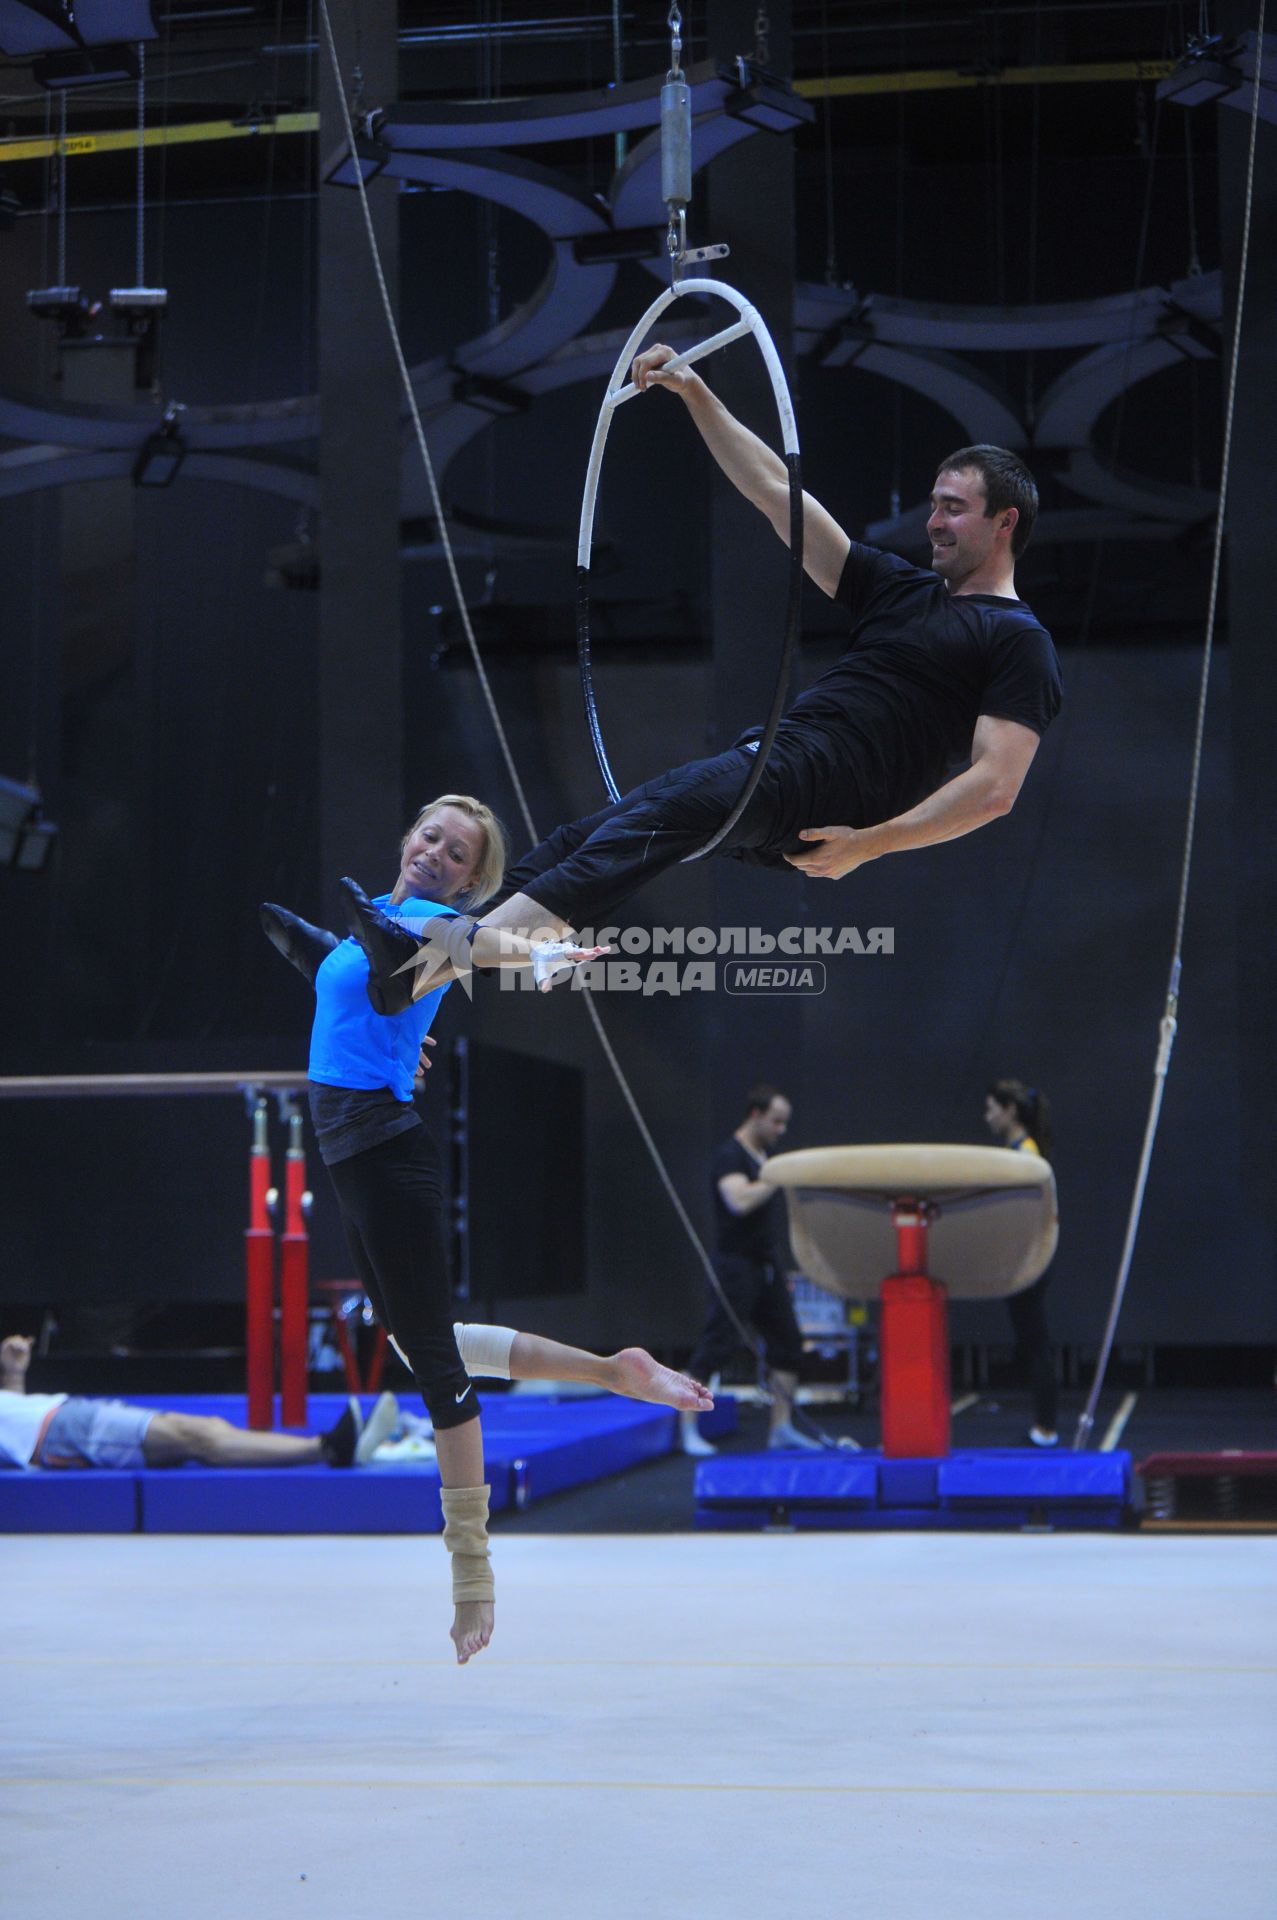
459 1397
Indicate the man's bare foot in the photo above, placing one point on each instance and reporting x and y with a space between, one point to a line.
639 1377
471 1628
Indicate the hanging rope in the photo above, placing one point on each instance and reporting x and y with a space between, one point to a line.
415 412
139 274
1170 1014
62 189
1052 789
827 149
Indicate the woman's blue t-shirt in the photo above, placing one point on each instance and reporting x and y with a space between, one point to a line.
351 1045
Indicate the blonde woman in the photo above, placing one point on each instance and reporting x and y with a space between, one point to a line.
385 1173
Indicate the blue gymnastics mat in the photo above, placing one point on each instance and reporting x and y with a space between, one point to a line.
534 1446
996 1488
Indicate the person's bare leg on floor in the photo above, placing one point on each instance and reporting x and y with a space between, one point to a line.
174 1437
784 1387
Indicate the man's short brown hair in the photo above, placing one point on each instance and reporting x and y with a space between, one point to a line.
759 1098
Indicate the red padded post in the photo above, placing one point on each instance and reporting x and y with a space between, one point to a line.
294 1278
259 1277
914 1346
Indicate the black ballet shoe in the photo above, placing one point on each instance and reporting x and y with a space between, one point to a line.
386 946
340 1444
306 946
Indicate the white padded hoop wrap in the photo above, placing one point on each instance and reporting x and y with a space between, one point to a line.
994 1232
618 391
748 321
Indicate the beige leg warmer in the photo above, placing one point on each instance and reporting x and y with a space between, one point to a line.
465 1534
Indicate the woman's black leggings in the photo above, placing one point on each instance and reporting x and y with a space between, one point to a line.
1033 1351
391 1200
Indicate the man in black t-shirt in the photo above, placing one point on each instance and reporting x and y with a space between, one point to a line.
753 1253
944 665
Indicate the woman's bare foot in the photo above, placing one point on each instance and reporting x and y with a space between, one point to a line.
471 1628
639 1377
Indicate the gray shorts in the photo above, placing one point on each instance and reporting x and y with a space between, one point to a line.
95 1433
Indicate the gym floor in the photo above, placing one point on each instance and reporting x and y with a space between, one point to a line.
686 1727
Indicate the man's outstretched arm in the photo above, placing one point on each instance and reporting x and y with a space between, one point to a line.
752 467
1001 754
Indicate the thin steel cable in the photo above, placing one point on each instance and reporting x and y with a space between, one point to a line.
1170 1016
140 279
62 189
1052 790
827 146
48 190
748 1339
404 375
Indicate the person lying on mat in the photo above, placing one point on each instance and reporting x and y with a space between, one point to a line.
64 1430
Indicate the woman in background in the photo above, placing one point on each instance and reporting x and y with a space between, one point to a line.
1019 1117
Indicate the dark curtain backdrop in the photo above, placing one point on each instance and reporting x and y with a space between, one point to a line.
1038 947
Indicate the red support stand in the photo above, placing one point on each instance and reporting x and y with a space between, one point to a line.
259 1276
340 1293
914 1343
294 1277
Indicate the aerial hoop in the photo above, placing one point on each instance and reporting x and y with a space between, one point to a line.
619 390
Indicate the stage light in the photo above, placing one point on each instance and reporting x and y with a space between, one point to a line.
138 301
162 452
57 26
764 100
25 835
85 67
623 243
65 306
496 397
1196 81
346 167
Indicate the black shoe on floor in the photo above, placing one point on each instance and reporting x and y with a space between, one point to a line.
386 946
306 946
339 1443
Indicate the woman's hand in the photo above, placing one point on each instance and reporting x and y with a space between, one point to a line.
424 1062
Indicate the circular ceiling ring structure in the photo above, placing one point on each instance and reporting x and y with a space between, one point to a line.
619 390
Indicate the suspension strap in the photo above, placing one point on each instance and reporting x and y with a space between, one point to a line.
1170 1013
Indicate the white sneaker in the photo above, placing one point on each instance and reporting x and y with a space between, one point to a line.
379 1426
1039 1438
694 1444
